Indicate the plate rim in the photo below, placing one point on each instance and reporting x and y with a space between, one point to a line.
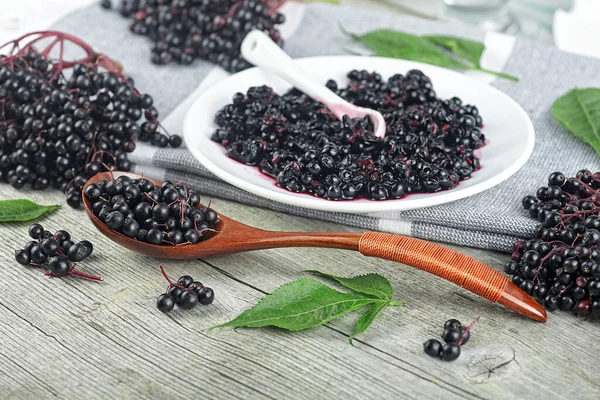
303 200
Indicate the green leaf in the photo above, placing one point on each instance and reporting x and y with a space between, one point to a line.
367 319
466 49
389 43
371 284
442 51
21 210
578 111
440 59
301 304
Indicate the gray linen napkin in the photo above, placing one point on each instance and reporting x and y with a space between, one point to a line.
493 219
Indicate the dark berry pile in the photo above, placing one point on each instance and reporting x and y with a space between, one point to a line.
63 121
183 30
55 253
429 144
164 214
561 266
186 293
454 336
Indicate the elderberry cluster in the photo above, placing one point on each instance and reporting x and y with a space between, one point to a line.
55 253
183 30
162 215
429 144
58 130
454 336
561 265
186 293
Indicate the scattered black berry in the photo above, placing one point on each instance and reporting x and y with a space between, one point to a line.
189 299
54 253
455 335
207 296
185 281
186 293
165 303
452 323
561 265
160 215
183 30
451 335
450 351
429 144
432 347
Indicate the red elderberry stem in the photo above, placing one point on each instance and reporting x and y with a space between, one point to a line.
462 337
164 273
85 275
233 9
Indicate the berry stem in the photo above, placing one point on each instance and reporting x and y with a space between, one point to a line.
164 273
467 329
85 275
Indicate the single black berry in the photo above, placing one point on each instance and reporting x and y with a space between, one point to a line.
185 281
36 231
451 335
432 348
23 257
452 323
207 297
450 351
165 303
188 299
175 293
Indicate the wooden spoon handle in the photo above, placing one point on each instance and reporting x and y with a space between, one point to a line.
437 260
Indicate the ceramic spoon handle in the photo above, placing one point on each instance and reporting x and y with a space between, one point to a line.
258 49
452 266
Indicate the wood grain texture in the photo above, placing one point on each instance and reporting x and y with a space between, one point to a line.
70 338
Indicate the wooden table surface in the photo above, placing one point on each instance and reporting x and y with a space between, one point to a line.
76 339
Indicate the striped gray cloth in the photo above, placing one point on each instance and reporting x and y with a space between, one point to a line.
492 220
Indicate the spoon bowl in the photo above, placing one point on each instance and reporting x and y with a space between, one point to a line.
231 236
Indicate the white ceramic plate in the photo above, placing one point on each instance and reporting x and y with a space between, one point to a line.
506 125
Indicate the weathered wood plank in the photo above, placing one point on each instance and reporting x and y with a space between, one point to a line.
507 357
71 338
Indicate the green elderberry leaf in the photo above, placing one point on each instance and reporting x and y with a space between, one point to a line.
300 304
578 111
21 210
371 284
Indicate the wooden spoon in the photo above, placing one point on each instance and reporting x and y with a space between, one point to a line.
234 237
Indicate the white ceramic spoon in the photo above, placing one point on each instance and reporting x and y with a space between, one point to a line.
258 49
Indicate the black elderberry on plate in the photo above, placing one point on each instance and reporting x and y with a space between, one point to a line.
161 215
561 265
183 30
429 144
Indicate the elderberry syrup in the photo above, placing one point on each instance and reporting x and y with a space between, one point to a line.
561 265
429 144
183 30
